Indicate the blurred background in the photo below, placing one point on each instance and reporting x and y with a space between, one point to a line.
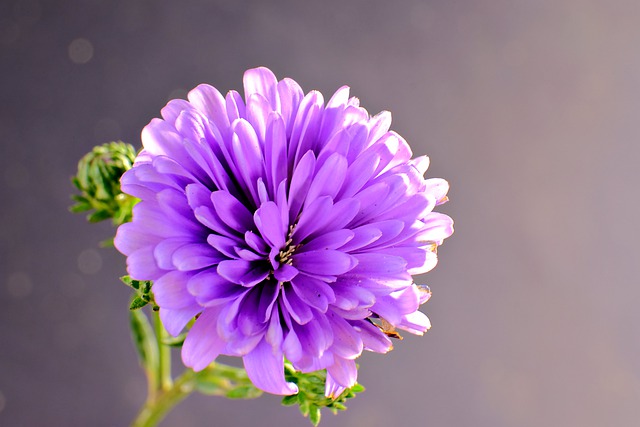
529 108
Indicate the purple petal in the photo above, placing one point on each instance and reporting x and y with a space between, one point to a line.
362 236
324 262
343 372
209 288
350 296
290 96
332 119
275 152
331 240
232 212
235 106
397 304
300 182
298 309
332 389
329 178
416 323
225 245
439 188
175 320
141 265
210 219
130 238
316 336
285 273
173 109
268 221
437 227
274 331
346 342
342 214
242 272
164 251
265 368
314 292
372 337
208 100
256 243
251 320
306 126
420 260
195 256
203 344
258 112
421 163
313 217
262 81
292 347
248 155
170 291
380 265
380 124
198 195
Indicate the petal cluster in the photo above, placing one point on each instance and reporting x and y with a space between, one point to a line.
289 227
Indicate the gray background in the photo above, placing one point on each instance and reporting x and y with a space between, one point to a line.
529 108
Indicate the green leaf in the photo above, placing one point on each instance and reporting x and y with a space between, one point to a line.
145 343
137 303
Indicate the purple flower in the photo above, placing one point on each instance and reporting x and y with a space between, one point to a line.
288 227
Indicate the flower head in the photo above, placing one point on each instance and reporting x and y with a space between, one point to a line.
289 227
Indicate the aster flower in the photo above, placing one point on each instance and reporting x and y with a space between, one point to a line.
288 227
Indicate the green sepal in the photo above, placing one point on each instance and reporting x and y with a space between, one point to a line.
145 343
290 400
314 415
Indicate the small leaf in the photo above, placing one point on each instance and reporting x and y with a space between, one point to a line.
127 280
137 303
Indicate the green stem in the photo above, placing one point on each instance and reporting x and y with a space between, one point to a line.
154 410
165 380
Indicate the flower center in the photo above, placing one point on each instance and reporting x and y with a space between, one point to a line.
284 256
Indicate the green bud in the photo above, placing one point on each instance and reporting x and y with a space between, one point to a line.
98 180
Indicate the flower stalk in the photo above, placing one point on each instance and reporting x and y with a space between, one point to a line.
163 401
